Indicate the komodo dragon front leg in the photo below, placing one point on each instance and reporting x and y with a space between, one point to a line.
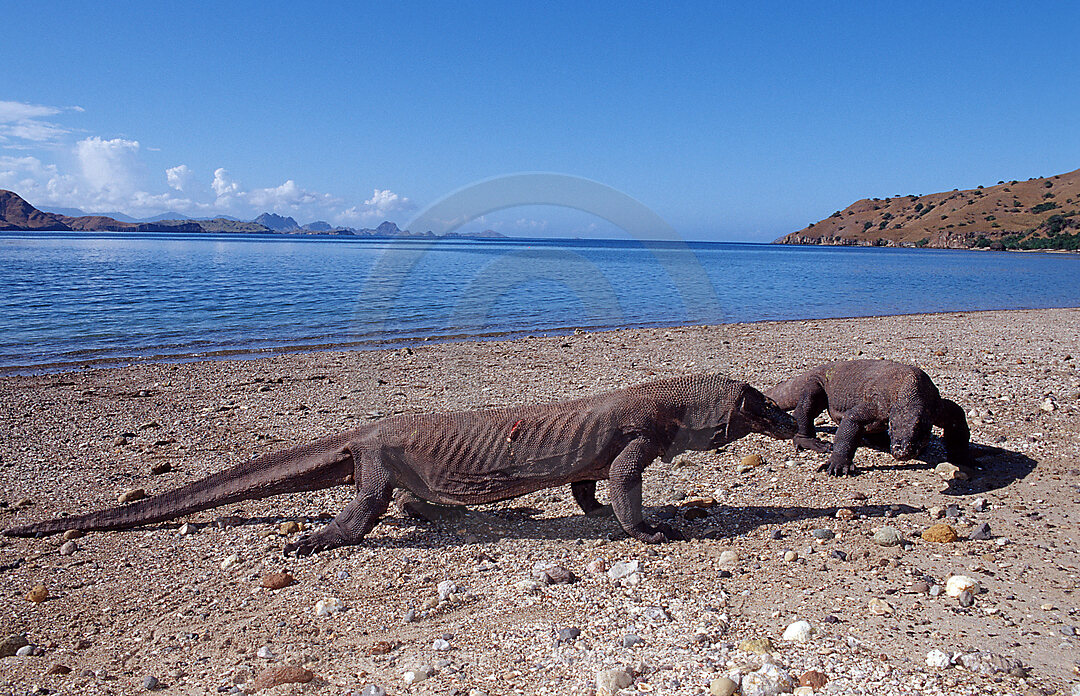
849 433
811 403
624 488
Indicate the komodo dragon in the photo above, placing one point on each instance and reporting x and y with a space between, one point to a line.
479 457
872 400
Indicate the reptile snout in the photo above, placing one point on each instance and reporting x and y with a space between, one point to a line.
903 451
782 425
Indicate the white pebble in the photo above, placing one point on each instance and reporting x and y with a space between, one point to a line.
328 606
937 658
24 651
798 631
729 558
770 680
440 645
187 529
961 583
445 589
623 569
230 561
418 675
265 653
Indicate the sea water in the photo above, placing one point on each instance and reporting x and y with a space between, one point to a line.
73 299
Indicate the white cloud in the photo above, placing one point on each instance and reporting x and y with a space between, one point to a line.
100 174
22 125
31 178
179 177
223 185
110 167
13 112
382 205
288 197
388 202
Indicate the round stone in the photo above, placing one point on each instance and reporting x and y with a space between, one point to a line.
724 686
940 534
887 536
960 583
131 496
798 631
276 581
39 594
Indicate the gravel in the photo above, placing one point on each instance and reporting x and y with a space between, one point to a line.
152 601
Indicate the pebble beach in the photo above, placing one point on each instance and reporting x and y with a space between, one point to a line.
789 580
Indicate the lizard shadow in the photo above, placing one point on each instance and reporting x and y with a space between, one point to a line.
994 467
719 522
997 468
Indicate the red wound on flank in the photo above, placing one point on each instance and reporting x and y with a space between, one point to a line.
514 430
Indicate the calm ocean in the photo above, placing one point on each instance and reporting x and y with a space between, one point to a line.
103 298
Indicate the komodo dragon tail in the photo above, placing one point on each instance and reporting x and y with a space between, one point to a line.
320 464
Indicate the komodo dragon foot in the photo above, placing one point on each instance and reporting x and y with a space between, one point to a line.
838 467
657 534
811 443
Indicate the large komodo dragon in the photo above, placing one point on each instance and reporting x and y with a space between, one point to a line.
869 400
479 457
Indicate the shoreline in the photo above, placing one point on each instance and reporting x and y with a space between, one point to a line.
243 354
124 605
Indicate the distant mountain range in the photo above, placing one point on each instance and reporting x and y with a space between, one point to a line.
1034 214
18 215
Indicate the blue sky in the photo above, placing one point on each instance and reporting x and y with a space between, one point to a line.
731 121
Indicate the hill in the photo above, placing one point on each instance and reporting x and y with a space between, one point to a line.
277 223
17 214
1034 214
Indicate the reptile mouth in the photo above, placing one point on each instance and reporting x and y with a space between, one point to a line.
903 453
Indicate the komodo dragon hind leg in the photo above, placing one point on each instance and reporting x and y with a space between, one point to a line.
419 509
375 489
585 496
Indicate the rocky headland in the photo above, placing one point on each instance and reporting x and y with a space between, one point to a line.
1038 213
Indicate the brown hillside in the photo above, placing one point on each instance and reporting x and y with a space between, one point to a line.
17 214
97 223
1016 212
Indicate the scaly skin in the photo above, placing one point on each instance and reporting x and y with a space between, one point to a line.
872 399
480 457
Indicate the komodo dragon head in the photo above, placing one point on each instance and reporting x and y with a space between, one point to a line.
911 417
734 412
756 413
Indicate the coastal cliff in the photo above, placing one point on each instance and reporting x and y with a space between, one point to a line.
1034 214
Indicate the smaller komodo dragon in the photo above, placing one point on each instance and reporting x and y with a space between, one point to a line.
479 457
885 403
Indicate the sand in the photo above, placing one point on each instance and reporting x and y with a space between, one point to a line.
125 606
